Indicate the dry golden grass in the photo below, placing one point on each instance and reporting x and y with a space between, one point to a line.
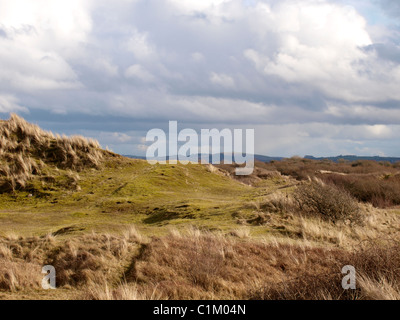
19 275
378 277
91 259
202 265
20 262
380 289
260 173
123 291
26 150
85 260
195 264
291 222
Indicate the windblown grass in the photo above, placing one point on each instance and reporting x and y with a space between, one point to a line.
195 264
27 151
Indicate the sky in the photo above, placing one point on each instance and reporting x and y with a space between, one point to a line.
312 77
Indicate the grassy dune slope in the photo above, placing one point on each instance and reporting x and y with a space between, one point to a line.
125 191
50 182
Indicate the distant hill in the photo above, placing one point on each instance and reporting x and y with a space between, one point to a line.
222 157
134 157
352 158
268 159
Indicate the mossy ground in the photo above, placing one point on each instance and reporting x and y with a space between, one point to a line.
129 191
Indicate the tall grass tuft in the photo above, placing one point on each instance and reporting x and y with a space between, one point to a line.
25 150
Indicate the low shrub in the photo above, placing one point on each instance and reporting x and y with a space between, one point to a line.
327 201
381 192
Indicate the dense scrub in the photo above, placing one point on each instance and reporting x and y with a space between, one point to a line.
368 181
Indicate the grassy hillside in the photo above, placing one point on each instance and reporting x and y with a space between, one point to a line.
70 182
118 228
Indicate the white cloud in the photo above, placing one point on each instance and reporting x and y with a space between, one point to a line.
54 23
320 45
139 45
222 80
197 5
9 103
380 131
197 56
367 113
115 137
106 67
139 72
40 36
324 139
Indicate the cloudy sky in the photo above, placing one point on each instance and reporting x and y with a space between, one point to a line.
318 77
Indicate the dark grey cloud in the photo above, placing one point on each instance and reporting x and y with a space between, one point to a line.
386 51
391 7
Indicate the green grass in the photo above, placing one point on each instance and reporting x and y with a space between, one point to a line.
130 191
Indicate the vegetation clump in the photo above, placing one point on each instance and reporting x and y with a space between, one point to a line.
368 181
327 201
27 151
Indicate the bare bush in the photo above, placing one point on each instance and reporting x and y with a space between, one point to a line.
380 191
327 201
